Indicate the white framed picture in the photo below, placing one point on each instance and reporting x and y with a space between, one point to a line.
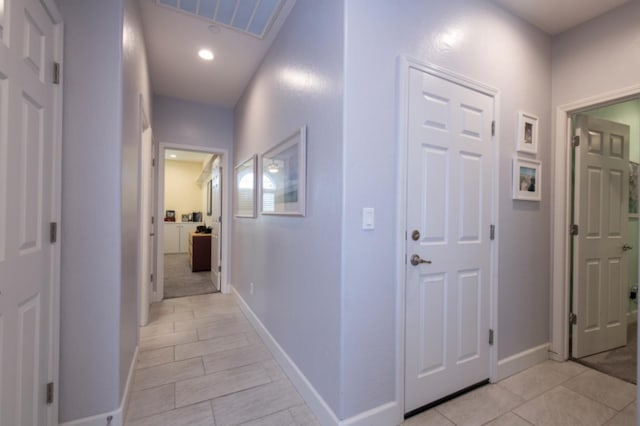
527 179
527 133
283 170
246 182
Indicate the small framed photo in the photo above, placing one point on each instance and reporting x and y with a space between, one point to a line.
245 204
633 189
527 133
284 176
527 179
209 198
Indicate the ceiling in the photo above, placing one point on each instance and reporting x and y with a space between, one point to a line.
174 33
556 16
174 37
193 156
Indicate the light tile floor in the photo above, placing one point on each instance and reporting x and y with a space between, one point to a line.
201 363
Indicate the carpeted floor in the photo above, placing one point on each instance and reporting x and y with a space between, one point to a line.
620 362
179 281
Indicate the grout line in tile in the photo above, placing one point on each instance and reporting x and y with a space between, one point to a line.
167 412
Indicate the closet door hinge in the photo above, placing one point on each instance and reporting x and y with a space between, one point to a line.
573 319
573 229
492 232
56 73
575 142
53 232
491 336
493 128
50 393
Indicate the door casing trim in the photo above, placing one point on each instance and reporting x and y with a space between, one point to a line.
225 287
560 249
404 65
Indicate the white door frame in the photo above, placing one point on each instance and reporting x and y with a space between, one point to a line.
404 66
561 248
145 157
56 212
225 287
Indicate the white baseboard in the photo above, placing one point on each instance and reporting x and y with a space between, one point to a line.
521 361
384 415
112 418
632 317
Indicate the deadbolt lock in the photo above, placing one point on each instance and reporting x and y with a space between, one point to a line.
415 235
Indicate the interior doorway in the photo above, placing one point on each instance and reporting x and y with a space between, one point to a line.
604 251
191 249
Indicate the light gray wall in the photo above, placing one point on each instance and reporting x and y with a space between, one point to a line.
104 73
135 82
91 209
599 56
294 262
497 49
178 121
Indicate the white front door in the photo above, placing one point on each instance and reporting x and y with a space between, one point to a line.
601 202
449 193
29 202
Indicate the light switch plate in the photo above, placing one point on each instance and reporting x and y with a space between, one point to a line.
368 218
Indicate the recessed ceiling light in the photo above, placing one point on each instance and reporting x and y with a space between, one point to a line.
205 54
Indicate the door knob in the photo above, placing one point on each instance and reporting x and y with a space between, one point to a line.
416 260
626 247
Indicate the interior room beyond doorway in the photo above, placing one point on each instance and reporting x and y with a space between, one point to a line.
191 211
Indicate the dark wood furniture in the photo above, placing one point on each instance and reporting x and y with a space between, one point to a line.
199 252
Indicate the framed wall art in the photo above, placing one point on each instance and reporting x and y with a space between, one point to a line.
209 197
527 179
283 169
527 133
246 182
633 189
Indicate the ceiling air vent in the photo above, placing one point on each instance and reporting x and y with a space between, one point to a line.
253 17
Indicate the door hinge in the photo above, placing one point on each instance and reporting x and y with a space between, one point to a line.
153 162
573 229
491 336
492 232
575 142
153 219
53 232
56 73
219 268
493 128
50 393
151 277
573 319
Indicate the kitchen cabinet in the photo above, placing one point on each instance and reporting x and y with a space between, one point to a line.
176 236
